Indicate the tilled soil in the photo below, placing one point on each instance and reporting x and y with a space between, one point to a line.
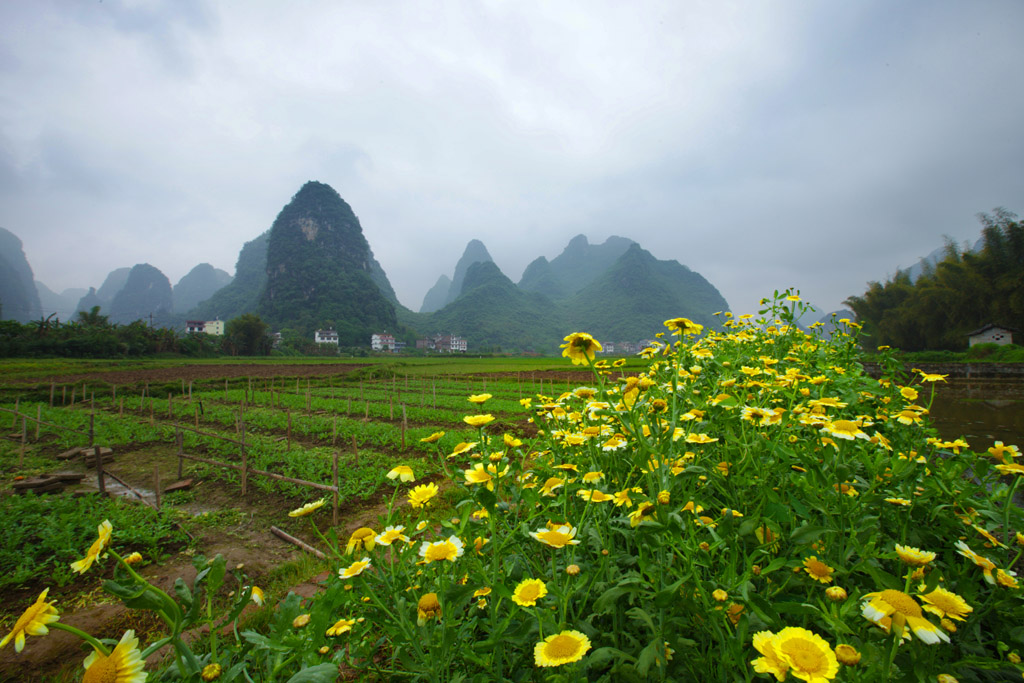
205 372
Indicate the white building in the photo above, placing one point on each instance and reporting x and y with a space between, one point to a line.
326 337
991 334
214 327
382 342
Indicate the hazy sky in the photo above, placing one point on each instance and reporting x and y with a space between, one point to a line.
818 145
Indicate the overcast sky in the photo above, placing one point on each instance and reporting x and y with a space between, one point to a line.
765 145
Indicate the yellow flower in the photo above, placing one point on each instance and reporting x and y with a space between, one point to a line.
643 511
999 452
572 570
354 569
462 448
808 655
580 348
557 537
772 661
914 556
363 537
699 438
422 494
432 438
478 420
1012 468
449 549
402 472
835 593
947 678
720 595
528 592
987 566
592 477
893 609
301 620
341 626
479 398
817 569
1006 578
909 393
98 546
308 508
511 441
391 534
622 498
847 654
561 648
944 603
552 485
32 622
478 475
428 607
926 377
134 558
898 501
594 496
683 326
211 672
257 595
845 429
124 665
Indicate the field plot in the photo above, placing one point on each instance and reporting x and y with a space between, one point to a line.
282 434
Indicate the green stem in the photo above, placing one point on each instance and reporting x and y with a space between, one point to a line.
83 635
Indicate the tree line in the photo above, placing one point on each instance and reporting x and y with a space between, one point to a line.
961 293
92 335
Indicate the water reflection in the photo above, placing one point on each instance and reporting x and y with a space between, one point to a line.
981 412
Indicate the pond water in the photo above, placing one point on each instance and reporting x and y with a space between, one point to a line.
981 412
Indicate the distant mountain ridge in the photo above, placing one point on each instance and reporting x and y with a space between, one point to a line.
19 299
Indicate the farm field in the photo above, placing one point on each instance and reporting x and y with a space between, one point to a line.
294 419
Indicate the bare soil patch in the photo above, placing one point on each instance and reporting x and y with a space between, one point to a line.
206 372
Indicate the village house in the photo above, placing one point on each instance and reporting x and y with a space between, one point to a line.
214 327
382 342
991 334
326 337
446 343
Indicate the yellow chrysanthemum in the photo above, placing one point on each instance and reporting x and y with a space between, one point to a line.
771 660
449 549
308 508
363 537
124 665
1001 452
422 494
478 420
211 672
987 566
594 495
96 549
391 534
341 626
403 473
580 348
32 622
847 654
477 474
893 609
354 569
432 438
561 648
683 326
809 656
914 556
428 607
257 595
818 570
557 537
479 398
944 603
528 592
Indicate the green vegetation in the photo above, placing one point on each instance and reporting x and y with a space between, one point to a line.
49 531
962 293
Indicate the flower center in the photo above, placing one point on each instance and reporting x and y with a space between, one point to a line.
562 646
901 602
818 568
803 655
530 593
103 670
441 551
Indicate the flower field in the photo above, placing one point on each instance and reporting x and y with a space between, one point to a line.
749 505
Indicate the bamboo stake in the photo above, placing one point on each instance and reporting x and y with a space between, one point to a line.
63 395
39 418
403 426
334 480
355 451
288 441
100 482
170 406
128 486
178 439
14 418
302 544
245 463
334 431
156 484
21 453
120 408
151 419
391 407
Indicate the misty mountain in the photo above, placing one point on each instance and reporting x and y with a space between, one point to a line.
632 299
437 296
18 296
242 294
103 296
579 264
147 292
198 285
492 311
63 305
320 270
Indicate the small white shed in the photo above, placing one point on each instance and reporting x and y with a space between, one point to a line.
991 334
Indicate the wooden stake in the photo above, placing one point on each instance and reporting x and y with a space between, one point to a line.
39 417
302 544
120 409
170 406
100 482
245 463
190 391
52 388
288 441
334 480
334 431
355 451
181 461
366 406
24 430
391 407
151 419
403 426
14 418
225 387
63 395
156 484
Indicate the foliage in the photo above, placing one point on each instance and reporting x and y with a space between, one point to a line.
961 293
50 529
246 335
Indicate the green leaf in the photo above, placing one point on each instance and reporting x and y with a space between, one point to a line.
321 673
808 533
